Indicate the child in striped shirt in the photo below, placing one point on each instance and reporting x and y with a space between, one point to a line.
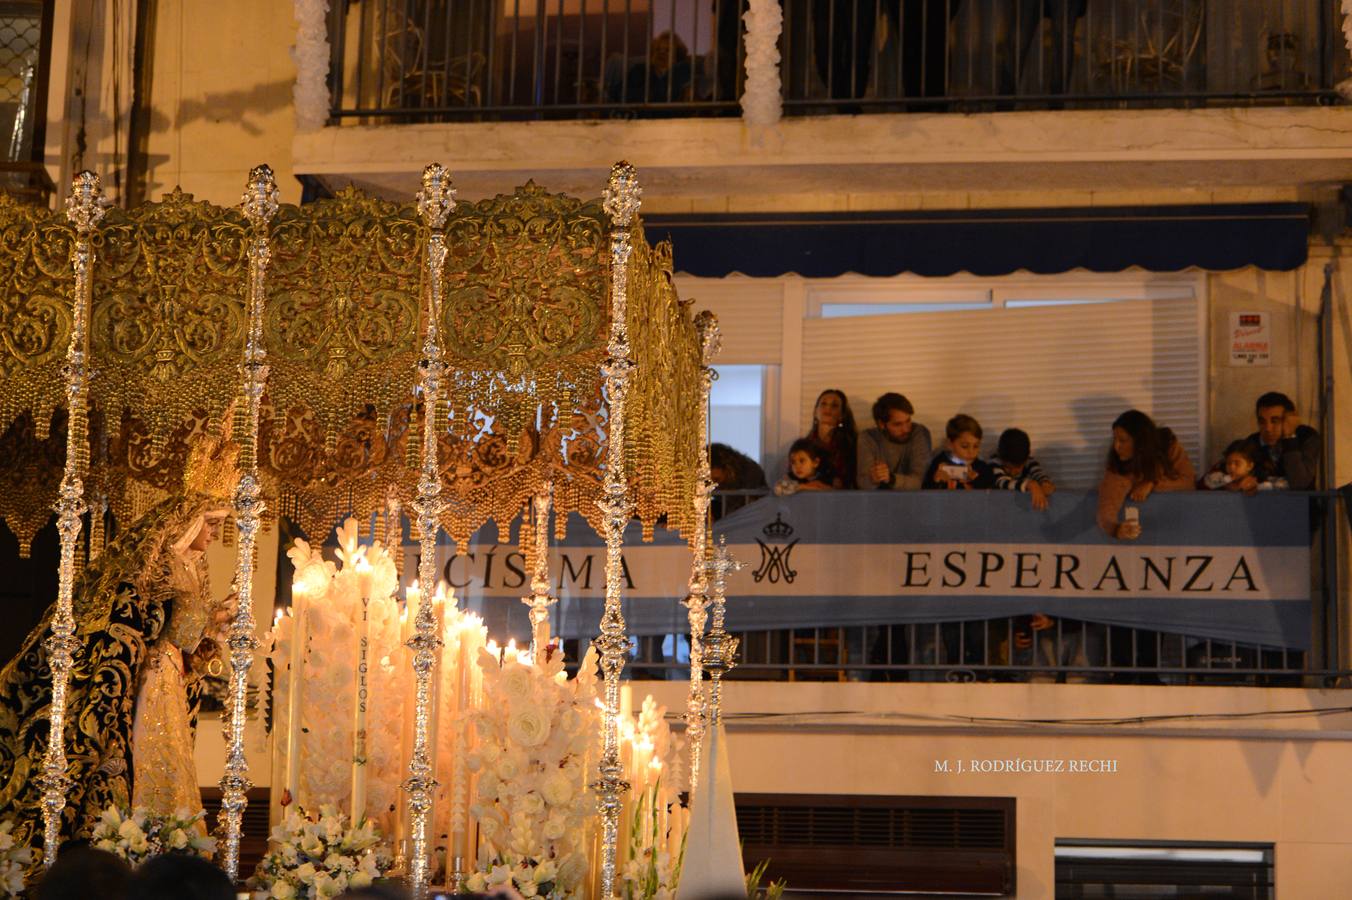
1017 470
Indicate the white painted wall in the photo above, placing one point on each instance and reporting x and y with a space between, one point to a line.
1260 778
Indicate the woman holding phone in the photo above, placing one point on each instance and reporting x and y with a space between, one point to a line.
1144 458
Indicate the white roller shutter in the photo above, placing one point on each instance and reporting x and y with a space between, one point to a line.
750 315
1062 373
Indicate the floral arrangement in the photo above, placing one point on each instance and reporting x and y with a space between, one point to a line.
536 733
138 835
14 861
651 872
657 821
317 858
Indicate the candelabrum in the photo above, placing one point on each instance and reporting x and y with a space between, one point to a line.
260 205
84 209
697 602
435 202
720 648
621 204
540 600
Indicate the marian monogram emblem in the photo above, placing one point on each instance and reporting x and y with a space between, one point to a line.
775 552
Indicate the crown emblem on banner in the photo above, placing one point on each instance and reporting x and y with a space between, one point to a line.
778 530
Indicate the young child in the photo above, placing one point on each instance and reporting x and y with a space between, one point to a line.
959 465
1237 467
805 465
1017 470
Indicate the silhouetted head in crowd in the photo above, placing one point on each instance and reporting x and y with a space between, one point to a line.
1140 448
832 414
82 872
893 414
180 876
732 470
1014 447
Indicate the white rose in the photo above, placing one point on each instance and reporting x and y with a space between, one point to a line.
282 890
528 727
178 840
476 882
558 789
516 682
360 880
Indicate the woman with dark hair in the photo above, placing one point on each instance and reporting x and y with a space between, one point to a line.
1143 458
833 431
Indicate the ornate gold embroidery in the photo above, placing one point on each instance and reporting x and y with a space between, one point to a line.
525 320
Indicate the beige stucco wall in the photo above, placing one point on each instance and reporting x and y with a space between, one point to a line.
1262 779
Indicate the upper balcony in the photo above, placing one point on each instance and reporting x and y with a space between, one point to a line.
660 81
509 60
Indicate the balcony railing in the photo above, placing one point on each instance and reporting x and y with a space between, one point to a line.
488 60
1064 648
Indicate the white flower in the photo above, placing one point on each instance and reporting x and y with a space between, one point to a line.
517 682
178 840
282 890
546 871
500 875
531 805
528 727
512 766
557 789
477 882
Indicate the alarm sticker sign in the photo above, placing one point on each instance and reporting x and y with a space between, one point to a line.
1250 339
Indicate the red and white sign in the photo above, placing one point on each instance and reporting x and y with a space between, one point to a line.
1250 339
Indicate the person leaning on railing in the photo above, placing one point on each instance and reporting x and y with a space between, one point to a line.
1144 458
893 455
833 431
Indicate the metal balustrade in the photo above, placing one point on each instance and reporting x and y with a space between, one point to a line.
491 60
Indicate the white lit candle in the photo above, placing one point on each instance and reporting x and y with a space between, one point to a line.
363 631
299 604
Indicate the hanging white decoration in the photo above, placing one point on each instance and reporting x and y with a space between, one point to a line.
311 56
762 104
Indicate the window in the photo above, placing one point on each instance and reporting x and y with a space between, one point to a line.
1088 870
1059 358
22 69
735 408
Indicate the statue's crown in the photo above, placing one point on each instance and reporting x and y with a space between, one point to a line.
211 468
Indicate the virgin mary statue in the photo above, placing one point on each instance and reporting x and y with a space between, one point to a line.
147 630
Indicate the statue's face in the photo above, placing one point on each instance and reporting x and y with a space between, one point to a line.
210 532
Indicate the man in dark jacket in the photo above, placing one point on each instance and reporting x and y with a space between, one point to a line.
1285 448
